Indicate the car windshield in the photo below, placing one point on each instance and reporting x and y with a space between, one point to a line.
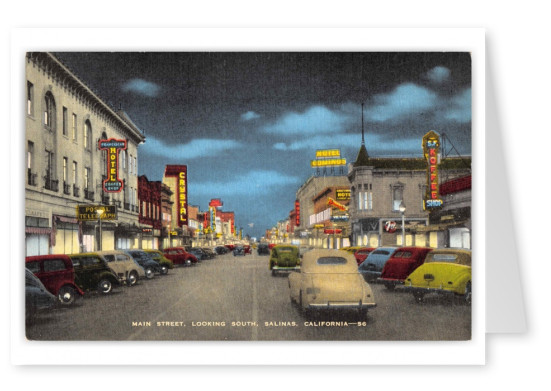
402 254
285 249
331 261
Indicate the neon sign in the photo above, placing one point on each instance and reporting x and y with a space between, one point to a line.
297 213
112 184
180 173
431 149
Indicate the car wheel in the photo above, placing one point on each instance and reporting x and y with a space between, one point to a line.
164 269
105 286
132 278
418 297
468 293
149 273
66 295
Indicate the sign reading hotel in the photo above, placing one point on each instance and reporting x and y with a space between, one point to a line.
342 194
431 150
297 213
328 158
179 172
112 184
90 212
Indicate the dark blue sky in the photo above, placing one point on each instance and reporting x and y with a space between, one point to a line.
248 124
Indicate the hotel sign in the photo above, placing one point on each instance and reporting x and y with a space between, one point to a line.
297 213
335 204
112 184
327 158
431 150
342 194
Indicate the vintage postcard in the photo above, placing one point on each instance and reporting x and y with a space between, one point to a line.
249 196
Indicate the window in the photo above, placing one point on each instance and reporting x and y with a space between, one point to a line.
65 168
397 196
49 111
75 173
87 134
87 178
30 98
135 165
33 266
331 261
130 164
74 127
30 152
53 265
365 200
123 159
65 119
49 165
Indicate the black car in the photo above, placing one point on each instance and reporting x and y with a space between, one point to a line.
92 273
146 261
238 250
221 250
198 252
210 253
263 249
37 297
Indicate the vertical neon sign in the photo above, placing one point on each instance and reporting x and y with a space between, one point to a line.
431 149
112 184
180 173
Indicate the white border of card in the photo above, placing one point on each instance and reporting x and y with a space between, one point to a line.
470 352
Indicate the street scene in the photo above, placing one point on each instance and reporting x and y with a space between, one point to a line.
248 196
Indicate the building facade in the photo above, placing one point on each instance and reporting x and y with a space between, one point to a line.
65 121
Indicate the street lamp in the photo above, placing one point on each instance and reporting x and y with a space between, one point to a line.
402 209
100 212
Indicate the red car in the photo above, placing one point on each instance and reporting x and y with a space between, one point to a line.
179 256
401 264
248 249
57 274
362 254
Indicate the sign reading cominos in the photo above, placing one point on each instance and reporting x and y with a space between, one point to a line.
328 158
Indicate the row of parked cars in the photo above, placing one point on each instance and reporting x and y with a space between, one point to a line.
337 279
60 278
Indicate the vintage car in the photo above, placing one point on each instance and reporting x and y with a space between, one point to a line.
37 297
373 265
329 280
238 250
122 264
284 257
248 249
158 256
57 273
93 274
146 261
263 249
220 250
362 254
209 252
197 253
179 256
401 264
446 271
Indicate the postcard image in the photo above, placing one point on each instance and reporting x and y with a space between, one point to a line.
248 196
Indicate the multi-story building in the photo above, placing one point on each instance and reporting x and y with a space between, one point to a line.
175 178
154 199
65 120
386 191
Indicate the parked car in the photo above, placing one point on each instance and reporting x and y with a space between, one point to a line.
158 256
284 257
372 267
362 254
329 280
57 273
238 250
146 261
304 249
209 252
37 297
230 247
221 250
248 249
445 271
401 264
198 253
263 249
93 274
122 264
180 256
351 249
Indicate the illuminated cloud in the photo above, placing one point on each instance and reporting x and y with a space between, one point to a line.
460 107
196 148
249 115
141 87
315 120
438 74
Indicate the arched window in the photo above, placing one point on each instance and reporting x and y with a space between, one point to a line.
49 111
87 135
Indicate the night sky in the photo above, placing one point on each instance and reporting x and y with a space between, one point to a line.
248 124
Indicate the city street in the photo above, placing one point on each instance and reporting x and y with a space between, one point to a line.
237 298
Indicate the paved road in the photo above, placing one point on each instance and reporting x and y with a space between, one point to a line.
237 298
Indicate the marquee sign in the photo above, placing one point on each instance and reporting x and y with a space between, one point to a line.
328 158
90 212
112 184
431 149
180 173
342 194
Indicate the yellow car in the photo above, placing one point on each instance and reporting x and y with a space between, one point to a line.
329 279
445 271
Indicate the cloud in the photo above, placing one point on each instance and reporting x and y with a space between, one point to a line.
252 183
249 115
460 107
142 87
193 149
406 99
438 74
316 119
